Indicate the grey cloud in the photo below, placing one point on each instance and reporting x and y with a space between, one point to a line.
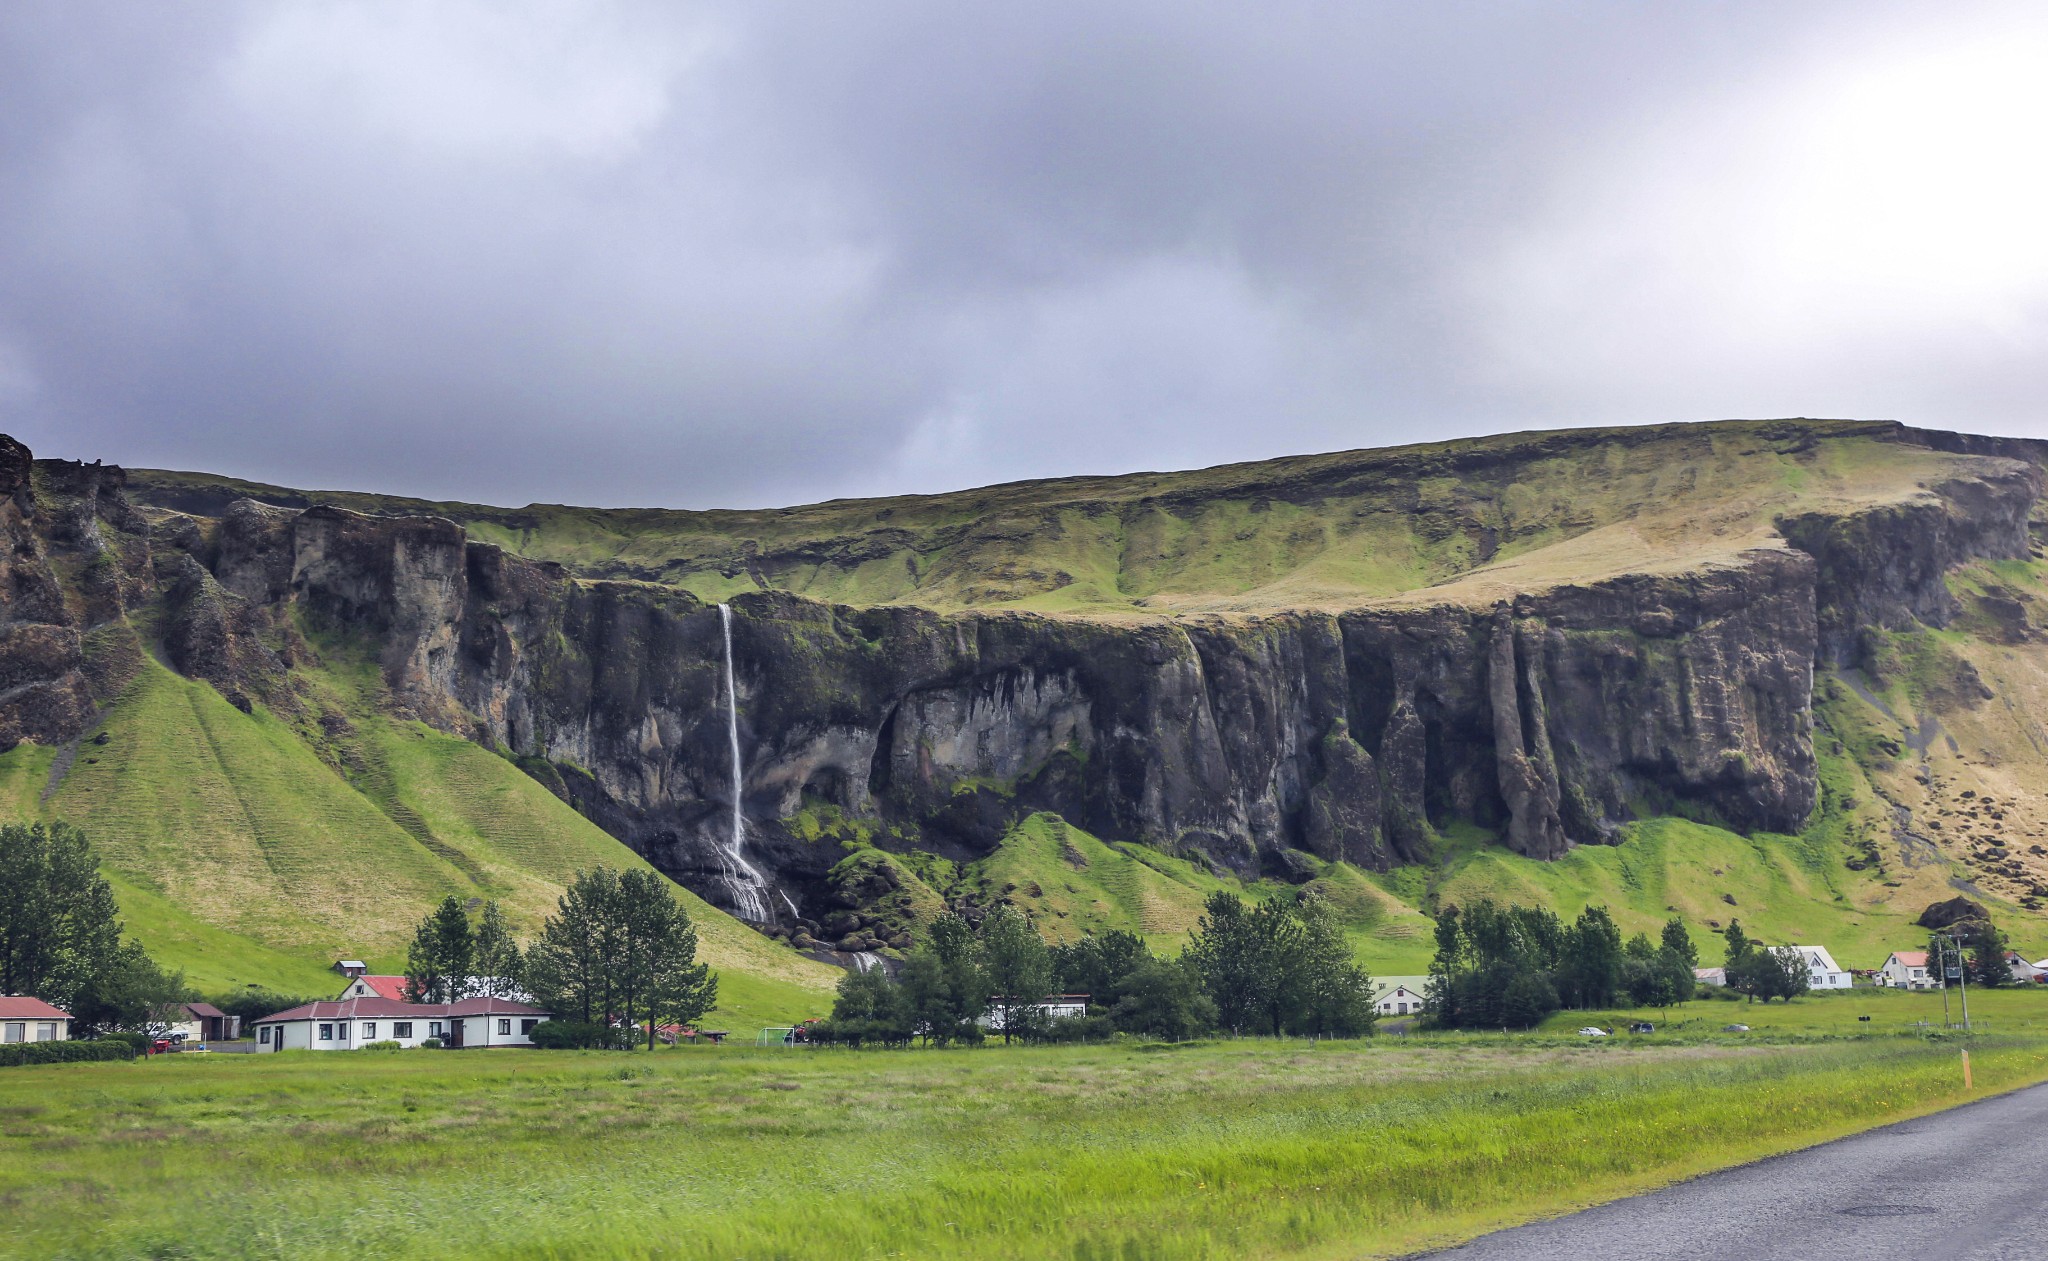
744 254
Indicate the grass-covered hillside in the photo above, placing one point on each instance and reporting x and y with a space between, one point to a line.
255 848
1470 519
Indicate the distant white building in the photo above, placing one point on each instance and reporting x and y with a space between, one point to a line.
1907 970
24 1019
1822 972
2024 972
349 1023
1053 1007
1710 976
1399 995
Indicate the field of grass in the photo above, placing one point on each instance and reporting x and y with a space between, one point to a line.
1219 1150
2014 1009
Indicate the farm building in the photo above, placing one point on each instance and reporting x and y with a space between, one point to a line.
24 1019
348 1023
203 1022
1822 972
1398 996
1710 976
1907 969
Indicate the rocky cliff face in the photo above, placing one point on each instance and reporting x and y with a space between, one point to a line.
1550 717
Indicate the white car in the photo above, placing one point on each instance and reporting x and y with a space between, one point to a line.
1591 1032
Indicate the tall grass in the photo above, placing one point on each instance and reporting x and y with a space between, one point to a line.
1228 1150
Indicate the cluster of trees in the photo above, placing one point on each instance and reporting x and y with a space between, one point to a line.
1499 967
60 935
1763 972
1272 968
1978 945
619 951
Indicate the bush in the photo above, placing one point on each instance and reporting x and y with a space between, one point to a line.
1095 1028
432 1044
140 1041
577 1035
19 1053
386 1045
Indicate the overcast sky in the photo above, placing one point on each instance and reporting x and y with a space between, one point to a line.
766 252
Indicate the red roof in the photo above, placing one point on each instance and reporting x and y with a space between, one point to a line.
392 1009
392 987
1911 958
25 1008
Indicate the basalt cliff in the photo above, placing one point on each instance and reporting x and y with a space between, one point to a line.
1259 670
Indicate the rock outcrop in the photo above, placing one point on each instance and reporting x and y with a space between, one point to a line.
1550 717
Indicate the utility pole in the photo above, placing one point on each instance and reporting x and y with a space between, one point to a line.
1963 972
1940 943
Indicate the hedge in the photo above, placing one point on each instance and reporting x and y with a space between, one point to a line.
13 1053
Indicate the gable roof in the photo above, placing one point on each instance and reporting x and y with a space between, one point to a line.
1910 958
22 1007
394 1009
391 987
203 1010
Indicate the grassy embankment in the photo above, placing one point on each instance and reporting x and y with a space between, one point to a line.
1224 1150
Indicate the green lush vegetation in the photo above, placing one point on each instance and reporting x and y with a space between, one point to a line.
1219 1150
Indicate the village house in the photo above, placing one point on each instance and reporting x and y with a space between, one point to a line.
347 1023
24 1019
1710 976
1907 969
2024 972
1052 1007
1822 972
1398 995
203 1022
363 985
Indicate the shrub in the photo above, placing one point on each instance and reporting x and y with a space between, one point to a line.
432 1044
386 1045
19 1053
140 1041
576 1035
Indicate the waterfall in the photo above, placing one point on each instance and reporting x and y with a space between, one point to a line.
746 883
866 961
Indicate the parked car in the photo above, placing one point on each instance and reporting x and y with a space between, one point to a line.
1591 1031
1735 1028
1642 1026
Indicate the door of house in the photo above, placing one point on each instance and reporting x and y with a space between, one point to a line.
455 1032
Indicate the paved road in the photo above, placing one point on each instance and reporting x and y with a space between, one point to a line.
1963 1185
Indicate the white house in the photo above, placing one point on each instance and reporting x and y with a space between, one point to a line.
348 1023
1907 970
1052 1007
1822 972
2024 972
1399 995
1710 976
24 1019
363 985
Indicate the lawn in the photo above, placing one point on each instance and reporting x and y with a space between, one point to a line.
1229 1149
2014 1009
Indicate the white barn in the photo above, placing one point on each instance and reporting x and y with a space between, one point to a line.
1399 995
346 1024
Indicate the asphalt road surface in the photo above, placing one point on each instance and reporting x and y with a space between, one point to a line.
1962 1185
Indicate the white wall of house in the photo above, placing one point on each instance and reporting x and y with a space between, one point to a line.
1896 972
498 1030
1398 1001
347 1035
35 1031
1822 972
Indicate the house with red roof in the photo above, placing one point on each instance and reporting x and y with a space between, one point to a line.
348 1023
363 985
1907 970
25 1019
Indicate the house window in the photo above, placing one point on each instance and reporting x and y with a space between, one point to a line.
401 1028
14 1033
433 1028
370 1030
505 1027
263 1036
526 1028
327 1033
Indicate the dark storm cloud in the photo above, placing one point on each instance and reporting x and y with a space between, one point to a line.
770 252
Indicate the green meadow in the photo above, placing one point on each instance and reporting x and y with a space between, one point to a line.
1232 1149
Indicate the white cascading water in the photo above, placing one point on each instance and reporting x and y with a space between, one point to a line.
866 961
746 883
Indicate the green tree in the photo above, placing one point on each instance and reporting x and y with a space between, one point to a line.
1241 953
1590 975
1334 994
438 964
656 975
569 967
1017 967
1495 967
1677 943
500 967
1164 999
1099 966
59 925
944 988
870 1008
1989 966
